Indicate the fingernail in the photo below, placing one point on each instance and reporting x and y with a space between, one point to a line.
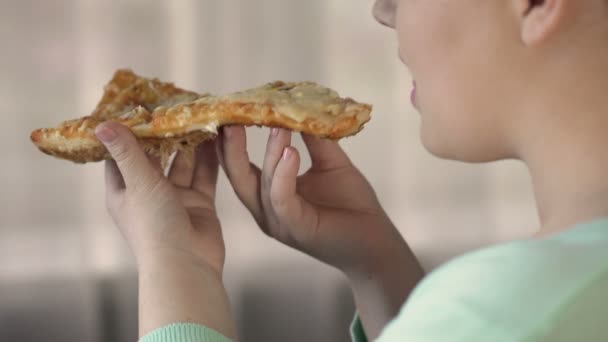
105 134
227 132
274 131
287 152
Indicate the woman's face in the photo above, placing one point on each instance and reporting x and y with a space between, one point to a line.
463 56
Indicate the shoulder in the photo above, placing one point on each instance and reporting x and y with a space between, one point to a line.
526 265
507 292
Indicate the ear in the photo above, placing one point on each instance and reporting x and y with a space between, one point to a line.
540 19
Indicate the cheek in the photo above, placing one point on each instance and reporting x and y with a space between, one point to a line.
424 33
455 72
463 117
450 116
427 44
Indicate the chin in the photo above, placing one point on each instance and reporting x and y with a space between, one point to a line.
468 152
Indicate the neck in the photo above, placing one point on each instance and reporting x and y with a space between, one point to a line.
568 161
563 139
570 188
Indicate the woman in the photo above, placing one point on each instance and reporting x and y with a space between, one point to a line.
513 79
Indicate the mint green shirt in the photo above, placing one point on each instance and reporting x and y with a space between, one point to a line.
552 289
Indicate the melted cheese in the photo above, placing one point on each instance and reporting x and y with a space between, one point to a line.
211 126
294 100
178 99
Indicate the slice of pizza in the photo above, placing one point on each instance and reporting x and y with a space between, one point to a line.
128 98
166 119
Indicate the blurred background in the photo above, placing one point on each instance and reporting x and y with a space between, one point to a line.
65 272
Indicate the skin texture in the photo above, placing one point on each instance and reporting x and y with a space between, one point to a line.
172 228
495 80
330 213
529 86
452 59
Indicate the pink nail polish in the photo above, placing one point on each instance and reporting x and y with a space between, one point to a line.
227 132
274 131
105 134
287 153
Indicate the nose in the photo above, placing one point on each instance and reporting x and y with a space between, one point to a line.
384 12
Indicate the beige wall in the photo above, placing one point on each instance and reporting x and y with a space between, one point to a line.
56 56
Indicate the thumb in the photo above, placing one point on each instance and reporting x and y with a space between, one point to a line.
325 154
131 160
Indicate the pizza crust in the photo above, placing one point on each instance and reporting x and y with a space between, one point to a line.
166 119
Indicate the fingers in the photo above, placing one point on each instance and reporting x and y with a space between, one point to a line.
291 209
206 169
283 187
115 186
182 170
114 181
131 160
278 140
283 196
325 154
155 161
242 174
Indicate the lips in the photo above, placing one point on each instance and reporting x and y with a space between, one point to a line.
413 94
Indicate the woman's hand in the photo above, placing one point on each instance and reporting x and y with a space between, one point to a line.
158 215
173 230
331 213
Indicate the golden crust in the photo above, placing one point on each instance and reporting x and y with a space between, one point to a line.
165 118
127 90
85 148
301 107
